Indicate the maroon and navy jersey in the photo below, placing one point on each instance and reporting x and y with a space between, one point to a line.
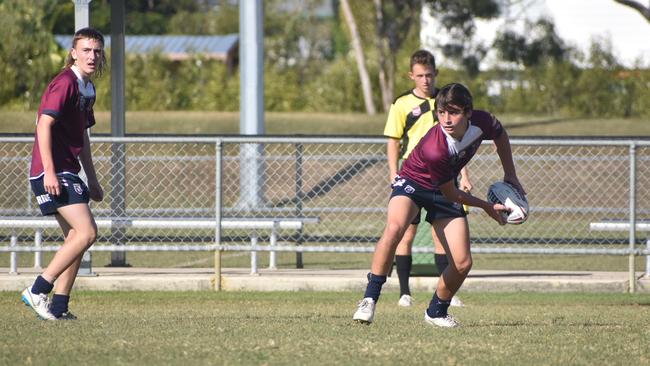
70 103
434 161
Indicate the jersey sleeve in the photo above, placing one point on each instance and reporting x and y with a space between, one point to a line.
487 122
55 97
395 122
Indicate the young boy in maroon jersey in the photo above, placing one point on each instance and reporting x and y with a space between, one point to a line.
426 180
61 141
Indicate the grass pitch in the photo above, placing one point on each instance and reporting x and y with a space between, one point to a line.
315 328
308 123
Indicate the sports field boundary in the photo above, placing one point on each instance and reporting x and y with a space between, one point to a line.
240 279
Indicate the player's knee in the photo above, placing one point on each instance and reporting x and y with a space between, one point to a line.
88 236
394 232
463 266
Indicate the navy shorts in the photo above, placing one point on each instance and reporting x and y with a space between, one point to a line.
73 190
437 206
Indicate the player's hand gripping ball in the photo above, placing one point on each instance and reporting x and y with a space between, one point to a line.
507 195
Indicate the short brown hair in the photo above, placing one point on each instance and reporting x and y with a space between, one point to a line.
454 94
423 57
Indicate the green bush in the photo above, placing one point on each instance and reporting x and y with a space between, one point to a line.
27 53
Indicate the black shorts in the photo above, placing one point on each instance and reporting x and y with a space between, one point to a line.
73 190
437 206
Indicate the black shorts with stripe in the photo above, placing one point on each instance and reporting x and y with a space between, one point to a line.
437 206
73 190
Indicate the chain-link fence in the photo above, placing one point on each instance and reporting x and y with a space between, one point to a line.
344 183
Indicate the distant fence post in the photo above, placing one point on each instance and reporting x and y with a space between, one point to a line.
632 271
299 199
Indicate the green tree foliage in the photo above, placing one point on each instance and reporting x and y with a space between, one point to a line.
458 18
530 51
27 52
142 17
600 88
308 63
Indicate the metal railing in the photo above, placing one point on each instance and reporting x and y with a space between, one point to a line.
344 182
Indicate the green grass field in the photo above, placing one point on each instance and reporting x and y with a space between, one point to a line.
315 328
197 122
505 262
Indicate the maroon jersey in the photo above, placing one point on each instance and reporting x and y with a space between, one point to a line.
70 103
437 158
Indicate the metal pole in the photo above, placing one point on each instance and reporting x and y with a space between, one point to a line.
217 212
38 256
81 20
647 258
299 199
273 262
118 160
251 103
632 271
218 167
81 11
217 270
253 253
13 256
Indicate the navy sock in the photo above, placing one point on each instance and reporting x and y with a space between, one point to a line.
404 264
441 262
374 286
59 304
437 307
41 286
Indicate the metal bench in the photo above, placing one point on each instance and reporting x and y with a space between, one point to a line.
253 224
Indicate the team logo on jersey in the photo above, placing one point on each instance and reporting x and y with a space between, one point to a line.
77 188
408 189
416 111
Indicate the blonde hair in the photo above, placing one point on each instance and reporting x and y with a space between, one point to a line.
88 33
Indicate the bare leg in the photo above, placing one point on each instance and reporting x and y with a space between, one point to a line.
454 237
401 212
438 248
80 230
405 245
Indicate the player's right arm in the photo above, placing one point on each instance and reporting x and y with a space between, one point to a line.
394 130
44 132
392 154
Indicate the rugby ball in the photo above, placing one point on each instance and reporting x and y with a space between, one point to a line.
507 195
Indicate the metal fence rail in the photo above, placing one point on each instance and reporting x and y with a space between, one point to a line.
344 182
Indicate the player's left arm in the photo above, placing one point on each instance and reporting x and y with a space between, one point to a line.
465 182
502 143
454 194
94 188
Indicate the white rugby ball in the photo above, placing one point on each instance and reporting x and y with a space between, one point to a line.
507 195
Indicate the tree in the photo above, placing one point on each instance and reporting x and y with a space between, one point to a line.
360 57
544 44
28 57
394 20
458 18
643 10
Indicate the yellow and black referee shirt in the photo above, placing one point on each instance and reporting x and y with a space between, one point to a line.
410 117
